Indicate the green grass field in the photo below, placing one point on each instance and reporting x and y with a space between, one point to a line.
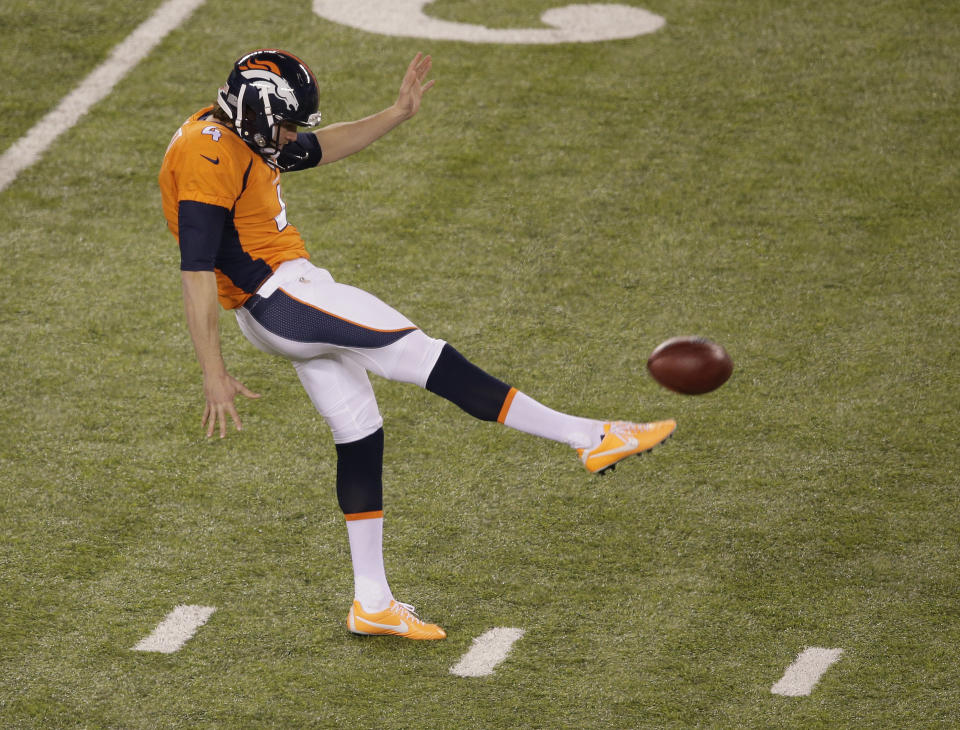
781 177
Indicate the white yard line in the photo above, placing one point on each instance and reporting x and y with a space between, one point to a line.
176 629
28 149
801 676
487 651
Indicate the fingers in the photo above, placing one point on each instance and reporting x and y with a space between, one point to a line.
208 413
413 87
209 419
215 415
413 64
218 417
236 421
423 70
419 68
424 66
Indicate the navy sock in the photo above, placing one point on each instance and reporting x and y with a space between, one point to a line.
360 474
464 384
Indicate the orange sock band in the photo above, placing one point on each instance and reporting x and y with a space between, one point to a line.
363 515
506 405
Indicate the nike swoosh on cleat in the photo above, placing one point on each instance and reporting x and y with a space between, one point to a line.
215 161
401 627
629 445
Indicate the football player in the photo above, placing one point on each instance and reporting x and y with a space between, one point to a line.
222 198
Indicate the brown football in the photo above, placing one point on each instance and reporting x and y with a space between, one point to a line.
690 365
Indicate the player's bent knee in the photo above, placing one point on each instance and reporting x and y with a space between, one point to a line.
347 427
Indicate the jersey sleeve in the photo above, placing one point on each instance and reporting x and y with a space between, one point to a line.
201 229
300 155
209 171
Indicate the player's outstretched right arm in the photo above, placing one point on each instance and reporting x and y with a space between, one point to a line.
345 138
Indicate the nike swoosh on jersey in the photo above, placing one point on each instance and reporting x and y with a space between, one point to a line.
214 160
401 627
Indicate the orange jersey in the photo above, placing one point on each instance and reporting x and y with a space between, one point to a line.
207 162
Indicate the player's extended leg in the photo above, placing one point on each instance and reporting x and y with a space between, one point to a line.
600 444
340 390
304 313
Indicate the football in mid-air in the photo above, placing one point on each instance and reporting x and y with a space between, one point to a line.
690 365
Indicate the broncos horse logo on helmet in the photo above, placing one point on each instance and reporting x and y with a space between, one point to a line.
264 89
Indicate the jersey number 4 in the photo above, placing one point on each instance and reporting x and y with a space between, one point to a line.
281 219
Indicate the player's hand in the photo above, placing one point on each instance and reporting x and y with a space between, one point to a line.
413 87
220 390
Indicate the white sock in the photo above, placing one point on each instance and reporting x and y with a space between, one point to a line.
527 415
366 553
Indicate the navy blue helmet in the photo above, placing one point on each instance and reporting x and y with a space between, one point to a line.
264 89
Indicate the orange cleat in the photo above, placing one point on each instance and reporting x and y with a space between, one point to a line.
622 439
398 619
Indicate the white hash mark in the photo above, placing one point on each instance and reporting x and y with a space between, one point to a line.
487 651
801 676
176 629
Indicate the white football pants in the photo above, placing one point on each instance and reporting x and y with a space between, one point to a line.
335 375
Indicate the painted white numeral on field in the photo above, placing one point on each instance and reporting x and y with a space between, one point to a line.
174 631
801 676
487 651
570 24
